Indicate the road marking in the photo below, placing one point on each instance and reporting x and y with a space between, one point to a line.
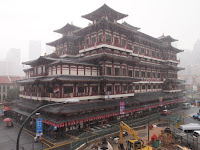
71 136
34 135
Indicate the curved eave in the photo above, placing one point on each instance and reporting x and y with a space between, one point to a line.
67 28
61 40
168 38
173 80
40 59
71 62
177 50
104 11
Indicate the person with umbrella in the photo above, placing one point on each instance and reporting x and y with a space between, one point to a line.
9 122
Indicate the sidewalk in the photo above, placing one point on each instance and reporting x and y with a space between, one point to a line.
8 138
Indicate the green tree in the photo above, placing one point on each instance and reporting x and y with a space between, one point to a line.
12 94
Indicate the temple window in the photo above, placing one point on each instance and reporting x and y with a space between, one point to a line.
154 86
143 87
81 89
108 71
116 40
136 73
154 75
50 89
129 46
153 54
61 51
108 38
142 50
87 42
39 70
93 40
137 87
117 71
100 38
158 75
143 74
109 88
159 86
148 74
124 71
123 42
68 89
130 73
125 88
130 87
158 55
149 86
136 49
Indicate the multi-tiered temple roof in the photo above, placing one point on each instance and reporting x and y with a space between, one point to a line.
104 11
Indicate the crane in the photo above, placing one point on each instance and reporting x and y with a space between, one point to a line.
132 144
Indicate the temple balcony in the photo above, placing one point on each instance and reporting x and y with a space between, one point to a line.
172 60
149 80
115 46
57 97
37 75
172 90
147 56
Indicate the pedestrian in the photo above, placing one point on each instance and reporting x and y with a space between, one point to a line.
36 139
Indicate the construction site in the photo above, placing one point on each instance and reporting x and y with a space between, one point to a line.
159 135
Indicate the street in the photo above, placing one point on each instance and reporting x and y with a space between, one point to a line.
8 138
8 135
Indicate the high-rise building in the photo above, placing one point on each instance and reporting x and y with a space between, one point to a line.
34 49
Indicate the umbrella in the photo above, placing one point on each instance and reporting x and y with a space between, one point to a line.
7 120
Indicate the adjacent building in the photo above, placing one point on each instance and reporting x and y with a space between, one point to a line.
102 65
6 83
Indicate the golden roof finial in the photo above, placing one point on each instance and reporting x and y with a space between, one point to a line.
54 51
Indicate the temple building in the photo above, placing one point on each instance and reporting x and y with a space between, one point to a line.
101 65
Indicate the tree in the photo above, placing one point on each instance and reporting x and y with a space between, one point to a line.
12 94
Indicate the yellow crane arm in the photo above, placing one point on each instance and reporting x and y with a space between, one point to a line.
125 127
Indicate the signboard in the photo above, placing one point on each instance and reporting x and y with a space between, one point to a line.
160 101
39 127
55 128
122 109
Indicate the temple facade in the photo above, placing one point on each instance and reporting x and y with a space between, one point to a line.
101 65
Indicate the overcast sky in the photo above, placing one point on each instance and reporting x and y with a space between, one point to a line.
24 20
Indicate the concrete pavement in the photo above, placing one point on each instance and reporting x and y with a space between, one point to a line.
8 138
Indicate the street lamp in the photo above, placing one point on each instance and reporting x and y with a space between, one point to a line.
72 100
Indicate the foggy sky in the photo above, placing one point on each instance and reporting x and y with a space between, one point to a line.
24 20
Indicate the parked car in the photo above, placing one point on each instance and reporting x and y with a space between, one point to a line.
166 112
196 116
